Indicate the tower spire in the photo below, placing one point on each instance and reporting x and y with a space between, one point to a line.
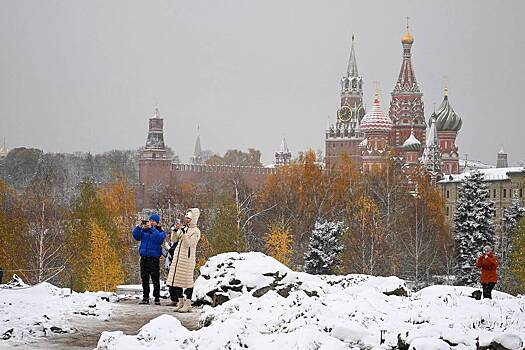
197 151
351 70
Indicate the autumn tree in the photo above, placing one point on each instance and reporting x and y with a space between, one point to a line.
104 271
13 249
224 235
86 208
425 240
118 199
45 208
237 157
366 248
298 193
279 243
518 257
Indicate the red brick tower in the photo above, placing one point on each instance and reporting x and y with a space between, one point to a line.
406 107
377 127
346 135
154 167
448 123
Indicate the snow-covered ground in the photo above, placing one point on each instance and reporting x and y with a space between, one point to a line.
30 312
261 304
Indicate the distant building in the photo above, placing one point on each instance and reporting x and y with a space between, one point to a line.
502 161
372 138
283 156
503 184
160 176
3 150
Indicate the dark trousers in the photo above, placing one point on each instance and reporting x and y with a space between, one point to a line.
176 293
487 289
150 267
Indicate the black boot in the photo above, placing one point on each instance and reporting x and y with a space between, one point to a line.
157 301
144 302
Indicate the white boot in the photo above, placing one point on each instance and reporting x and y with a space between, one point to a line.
179 305
186 306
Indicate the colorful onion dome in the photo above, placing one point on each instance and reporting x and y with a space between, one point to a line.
412 144
446 118
375 119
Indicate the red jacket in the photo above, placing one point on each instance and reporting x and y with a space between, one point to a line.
488 268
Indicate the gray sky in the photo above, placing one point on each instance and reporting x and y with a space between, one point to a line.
86 75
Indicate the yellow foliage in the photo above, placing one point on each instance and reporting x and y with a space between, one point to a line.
104 270
279 243
518 255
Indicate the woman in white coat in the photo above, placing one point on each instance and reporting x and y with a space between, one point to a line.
180 275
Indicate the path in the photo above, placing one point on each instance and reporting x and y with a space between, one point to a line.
126 316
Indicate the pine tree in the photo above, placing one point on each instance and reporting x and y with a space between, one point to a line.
279 243
104 270
473 226
322 254
511 218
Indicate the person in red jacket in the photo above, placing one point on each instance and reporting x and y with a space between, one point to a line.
488 263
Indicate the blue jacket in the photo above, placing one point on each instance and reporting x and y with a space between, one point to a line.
150 241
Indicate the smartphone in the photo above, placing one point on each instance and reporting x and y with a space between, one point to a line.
144 222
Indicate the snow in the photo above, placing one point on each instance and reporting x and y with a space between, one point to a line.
44 309
509 341
344 312
490 174
316 312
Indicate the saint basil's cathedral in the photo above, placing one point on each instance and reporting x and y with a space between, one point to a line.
371 137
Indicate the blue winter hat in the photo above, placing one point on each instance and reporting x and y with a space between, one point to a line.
155 217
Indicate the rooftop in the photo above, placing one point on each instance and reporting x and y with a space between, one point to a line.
491 174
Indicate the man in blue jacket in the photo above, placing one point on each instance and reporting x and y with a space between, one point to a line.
150 251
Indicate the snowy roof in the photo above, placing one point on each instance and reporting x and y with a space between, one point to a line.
375 119
412 143
474 164
492 174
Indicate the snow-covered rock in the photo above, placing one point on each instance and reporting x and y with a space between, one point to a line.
230 275
507 341
15 282
42 310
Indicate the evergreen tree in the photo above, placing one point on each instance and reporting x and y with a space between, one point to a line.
473 226
104 270
511 218
322 254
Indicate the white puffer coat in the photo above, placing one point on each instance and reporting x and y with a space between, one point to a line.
183 264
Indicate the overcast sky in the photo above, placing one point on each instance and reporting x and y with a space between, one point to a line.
86 75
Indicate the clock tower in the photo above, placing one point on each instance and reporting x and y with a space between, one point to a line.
345 135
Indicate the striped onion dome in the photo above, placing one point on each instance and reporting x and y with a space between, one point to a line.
375 119
412 144
446 118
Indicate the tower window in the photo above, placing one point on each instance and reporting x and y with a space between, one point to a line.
448 211
504 193
494 193
448 194
521 192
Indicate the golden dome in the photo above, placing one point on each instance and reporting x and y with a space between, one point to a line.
407 38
